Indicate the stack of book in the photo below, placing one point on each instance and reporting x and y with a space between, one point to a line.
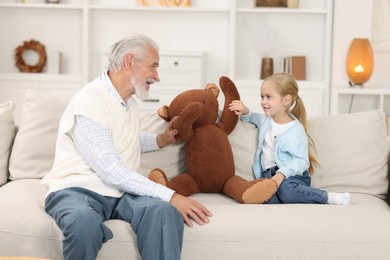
296 66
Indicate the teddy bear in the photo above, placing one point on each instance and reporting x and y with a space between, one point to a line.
209 158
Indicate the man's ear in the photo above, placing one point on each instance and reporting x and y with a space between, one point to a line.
163 113
128 61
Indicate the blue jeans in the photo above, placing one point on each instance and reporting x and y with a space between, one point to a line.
80 214
296 189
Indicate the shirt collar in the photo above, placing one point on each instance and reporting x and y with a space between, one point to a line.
108 84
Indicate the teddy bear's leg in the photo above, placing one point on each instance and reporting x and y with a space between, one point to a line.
158 176
184 184
250 192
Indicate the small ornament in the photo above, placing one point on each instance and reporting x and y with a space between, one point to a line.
267 67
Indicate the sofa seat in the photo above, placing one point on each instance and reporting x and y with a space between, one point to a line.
358 231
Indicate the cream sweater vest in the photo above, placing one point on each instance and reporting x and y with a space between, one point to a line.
96 103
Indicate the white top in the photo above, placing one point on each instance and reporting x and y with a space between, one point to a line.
268 157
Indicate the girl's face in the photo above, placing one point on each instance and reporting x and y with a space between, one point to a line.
273 104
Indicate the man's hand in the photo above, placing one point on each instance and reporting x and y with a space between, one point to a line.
190 209
168 137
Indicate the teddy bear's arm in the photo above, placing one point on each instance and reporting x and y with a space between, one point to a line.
184 122
228 119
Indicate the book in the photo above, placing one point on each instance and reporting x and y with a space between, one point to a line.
296 66
54 62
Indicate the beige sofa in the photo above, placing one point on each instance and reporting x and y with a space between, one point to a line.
352 149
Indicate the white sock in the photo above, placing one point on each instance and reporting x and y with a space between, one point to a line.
337 198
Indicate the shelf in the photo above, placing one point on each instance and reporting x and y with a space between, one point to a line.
41 6
128 7
41 77
353 99
270 10
363 91
301 83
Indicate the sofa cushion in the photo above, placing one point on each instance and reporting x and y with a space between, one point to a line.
7 126
244 140
352 151
26 229
235 231
33 151
171 159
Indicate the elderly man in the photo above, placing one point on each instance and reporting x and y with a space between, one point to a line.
94 176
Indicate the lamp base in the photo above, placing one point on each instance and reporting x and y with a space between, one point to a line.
354 85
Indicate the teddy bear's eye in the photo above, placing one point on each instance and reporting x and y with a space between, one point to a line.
203 101
181 109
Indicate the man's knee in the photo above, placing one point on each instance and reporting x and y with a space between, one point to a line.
159 213
84 223
164 211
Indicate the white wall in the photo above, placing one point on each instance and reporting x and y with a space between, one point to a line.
353 19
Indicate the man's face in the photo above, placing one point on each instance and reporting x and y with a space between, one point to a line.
145 74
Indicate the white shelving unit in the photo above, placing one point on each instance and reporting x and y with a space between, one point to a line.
281 32
231 35
353 99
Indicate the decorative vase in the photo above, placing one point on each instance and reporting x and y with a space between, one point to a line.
292 3
267 67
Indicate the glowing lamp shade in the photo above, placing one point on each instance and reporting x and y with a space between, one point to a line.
360 61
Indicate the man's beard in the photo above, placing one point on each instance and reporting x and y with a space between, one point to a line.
140 91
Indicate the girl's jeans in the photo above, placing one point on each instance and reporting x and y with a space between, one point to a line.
296 189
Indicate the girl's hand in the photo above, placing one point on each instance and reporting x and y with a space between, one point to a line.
278 178
238 107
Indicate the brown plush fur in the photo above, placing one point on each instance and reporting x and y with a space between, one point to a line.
209 157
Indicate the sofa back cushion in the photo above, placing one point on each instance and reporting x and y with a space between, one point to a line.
33 151
352 151
7 126
244 140
351 148
171 159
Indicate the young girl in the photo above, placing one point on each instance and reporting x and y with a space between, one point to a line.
285 153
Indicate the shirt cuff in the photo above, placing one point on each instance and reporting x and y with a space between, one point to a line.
164 193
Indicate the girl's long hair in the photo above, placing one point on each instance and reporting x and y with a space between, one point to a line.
285 84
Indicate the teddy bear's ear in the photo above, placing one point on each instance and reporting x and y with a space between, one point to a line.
163 113
213 89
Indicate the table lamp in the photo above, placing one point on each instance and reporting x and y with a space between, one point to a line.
360 61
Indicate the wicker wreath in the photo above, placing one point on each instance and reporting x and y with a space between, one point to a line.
34 46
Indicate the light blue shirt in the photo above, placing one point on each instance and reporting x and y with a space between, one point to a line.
291 146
